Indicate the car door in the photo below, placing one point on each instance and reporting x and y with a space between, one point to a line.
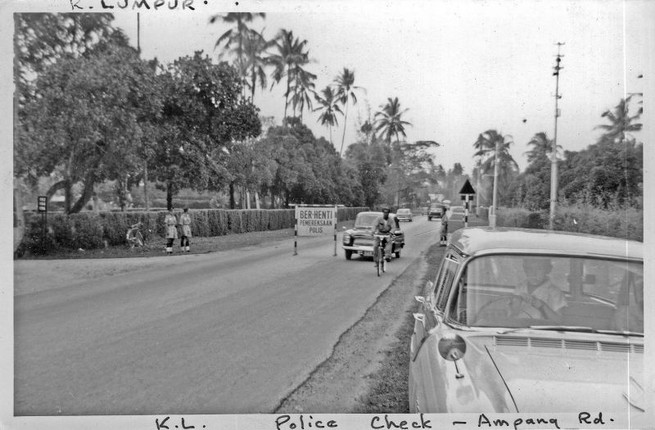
424 382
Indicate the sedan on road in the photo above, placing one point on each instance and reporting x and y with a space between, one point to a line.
359 239
404 214
531 321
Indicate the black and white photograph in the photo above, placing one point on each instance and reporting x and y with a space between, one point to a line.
296 215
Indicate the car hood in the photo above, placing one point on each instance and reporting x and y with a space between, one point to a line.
360 232
544 374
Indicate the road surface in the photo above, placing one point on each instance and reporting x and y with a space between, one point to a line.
226 332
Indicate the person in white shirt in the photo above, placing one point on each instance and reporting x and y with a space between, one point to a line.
539 297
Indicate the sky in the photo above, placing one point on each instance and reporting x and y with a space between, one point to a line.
458 67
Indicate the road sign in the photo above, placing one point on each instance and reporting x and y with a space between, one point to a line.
467 188
42 204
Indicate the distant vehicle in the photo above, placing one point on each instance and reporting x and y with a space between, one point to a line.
436 211
359 239
531 321
456 212
404 214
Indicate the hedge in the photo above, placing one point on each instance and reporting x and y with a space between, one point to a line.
626 223
88 230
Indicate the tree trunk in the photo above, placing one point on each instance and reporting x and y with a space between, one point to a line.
257 204
345 123
169 195
87 193
145 186
232 201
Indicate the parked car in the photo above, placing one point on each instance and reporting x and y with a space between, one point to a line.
436 211
359 239
485 341
404 214
456 212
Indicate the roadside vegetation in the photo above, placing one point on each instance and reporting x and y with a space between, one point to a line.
99 130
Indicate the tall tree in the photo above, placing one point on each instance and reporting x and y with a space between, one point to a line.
84 124
345 92
236 40
486 146
329 108
203 117
622 122
255 48
389 121
289 57
303 90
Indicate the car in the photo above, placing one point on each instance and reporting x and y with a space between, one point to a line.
359 239
404 214
456 212
436 211
482 343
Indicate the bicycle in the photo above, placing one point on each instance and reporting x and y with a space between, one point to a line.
134 236
378 253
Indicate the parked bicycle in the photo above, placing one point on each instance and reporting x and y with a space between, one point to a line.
135 237
379 252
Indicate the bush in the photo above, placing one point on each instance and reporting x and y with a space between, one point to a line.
88 230
623 223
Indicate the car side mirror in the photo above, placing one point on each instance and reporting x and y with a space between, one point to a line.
452 348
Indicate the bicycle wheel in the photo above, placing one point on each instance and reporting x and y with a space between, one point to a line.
383 262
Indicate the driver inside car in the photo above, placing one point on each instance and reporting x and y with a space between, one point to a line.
538 297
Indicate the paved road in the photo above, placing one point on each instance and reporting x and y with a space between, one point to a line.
226 332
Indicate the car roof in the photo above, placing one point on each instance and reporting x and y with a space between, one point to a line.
478 240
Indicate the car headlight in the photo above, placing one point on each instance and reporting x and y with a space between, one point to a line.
346 238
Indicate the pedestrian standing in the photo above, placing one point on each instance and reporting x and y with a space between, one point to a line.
171 230
185 221
443 239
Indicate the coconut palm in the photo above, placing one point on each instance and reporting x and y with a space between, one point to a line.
622 123
541 147
236 40
345 92
389 120
486 145
288 59
329 107
303 89
255 48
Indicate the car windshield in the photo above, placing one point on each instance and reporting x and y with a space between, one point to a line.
550 292
403 211
365 220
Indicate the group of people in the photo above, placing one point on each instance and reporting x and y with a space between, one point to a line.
172 223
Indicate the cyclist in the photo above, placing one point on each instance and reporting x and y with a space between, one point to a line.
384 225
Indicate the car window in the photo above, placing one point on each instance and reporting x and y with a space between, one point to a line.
444 282
365 220
499 291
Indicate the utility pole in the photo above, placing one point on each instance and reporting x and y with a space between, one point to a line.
553 155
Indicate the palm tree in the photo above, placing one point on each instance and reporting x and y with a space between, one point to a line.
389 120
288 60
236 39
486 145
329 107
346 92
622 124
303 88
255 47
541 147
236 36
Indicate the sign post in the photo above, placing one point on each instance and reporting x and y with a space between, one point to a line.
467 192
315 220
42 208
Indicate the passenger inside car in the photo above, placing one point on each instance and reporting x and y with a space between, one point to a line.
540 297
